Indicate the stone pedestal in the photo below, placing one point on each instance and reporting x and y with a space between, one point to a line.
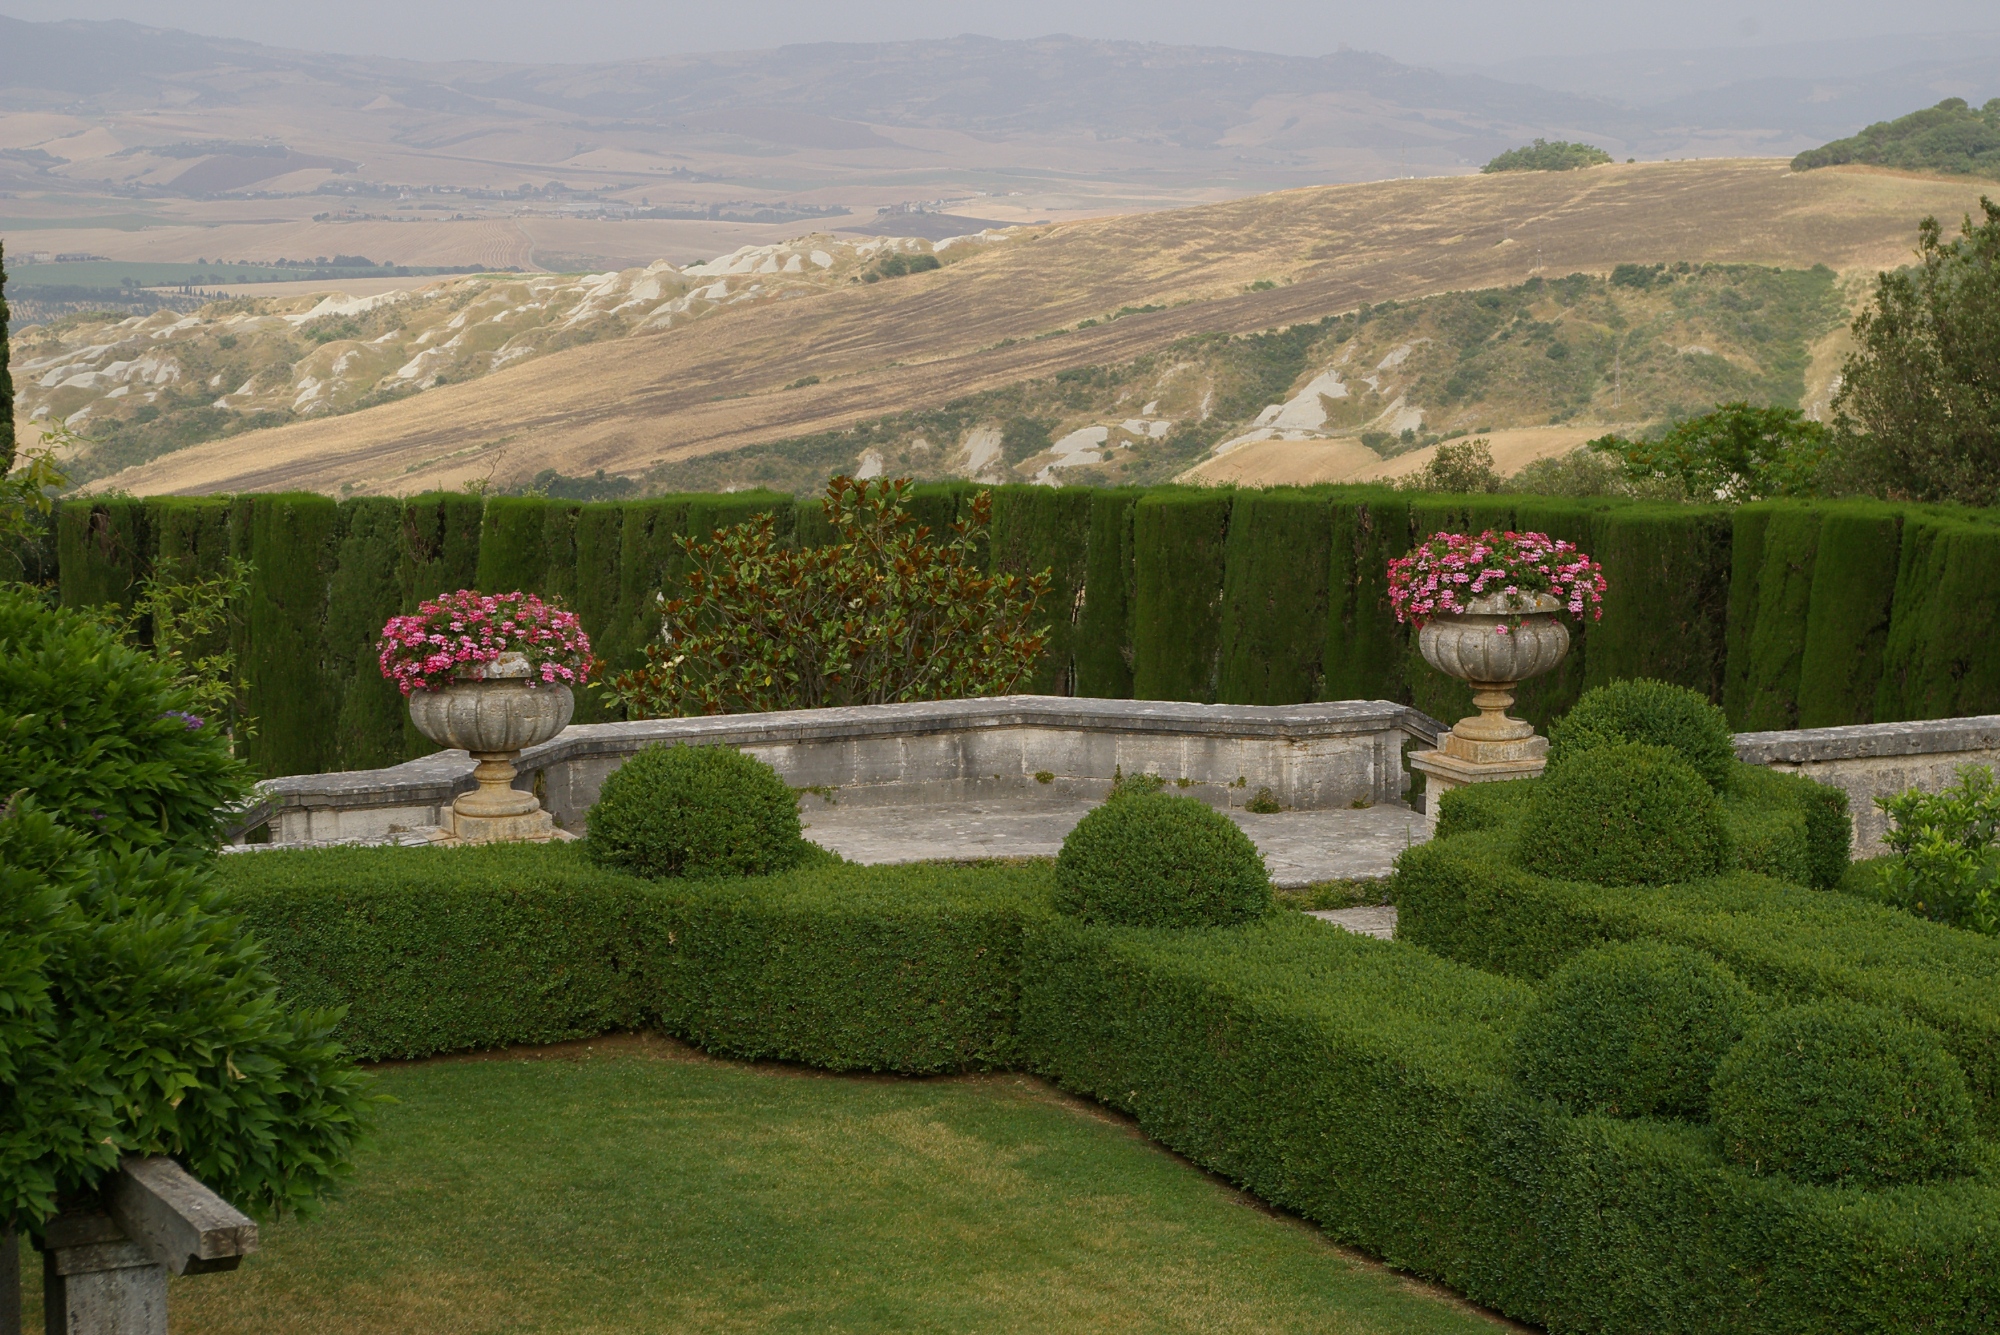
1483 748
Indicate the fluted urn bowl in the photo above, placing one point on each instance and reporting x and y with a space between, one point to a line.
1471 646
492 716
495 717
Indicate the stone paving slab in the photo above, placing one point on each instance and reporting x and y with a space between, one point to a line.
1299 847
1376 920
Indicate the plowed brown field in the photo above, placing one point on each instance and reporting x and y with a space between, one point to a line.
930 338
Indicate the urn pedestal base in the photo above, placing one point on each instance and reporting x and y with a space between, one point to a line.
536 827
1443 770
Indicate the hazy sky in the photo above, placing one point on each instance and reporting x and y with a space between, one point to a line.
1457 31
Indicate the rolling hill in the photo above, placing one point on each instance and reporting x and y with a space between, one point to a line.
1050 302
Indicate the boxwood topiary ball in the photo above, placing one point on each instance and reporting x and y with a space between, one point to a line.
1624 814
1843 1094
695 811
1632 1030
1642 710
1155 860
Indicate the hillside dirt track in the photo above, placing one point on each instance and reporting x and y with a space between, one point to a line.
927 339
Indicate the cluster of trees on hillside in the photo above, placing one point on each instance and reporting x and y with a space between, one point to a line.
1949 137
1543 156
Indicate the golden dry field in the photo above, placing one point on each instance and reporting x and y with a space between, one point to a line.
628 405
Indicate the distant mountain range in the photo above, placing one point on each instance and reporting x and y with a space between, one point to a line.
827 96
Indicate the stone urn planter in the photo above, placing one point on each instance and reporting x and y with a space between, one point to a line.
495 713
1469 645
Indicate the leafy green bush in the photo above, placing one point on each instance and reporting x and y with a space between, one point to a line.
1915 394
887 613
141 1019
1156 860
695 811
101 734
1844 1095
1624 813
1654 712
1632 1029
1735 453
1943 862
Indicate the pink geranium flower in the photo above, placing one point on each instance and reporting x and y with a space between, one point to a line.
418 655
1447 570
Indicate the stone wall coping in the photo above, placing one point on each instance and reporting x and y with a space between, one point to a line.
1868 740
442 776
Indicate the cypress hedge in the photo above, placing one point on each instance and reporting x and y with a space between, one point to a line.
1938 660
1047 528
1104 628
1180 541
1367 651
1787 614
1847 619
1276 571
292 541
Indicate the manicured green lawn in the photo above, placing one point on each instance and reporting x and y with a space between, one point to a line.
636 1187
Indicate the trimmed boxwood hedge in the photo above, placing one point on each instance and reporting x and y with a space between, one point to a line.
1362 1084
909 969
1462 896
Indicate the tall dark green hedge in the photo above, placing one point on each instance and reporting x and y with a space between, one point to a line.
105 550
1767 632
1047 528
1180 543
1104 630
1788 614
1367 650
1938 661
1274 597
1847 620
293 544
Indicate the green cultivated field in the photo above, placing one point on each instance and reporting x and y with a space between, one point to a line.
641 1188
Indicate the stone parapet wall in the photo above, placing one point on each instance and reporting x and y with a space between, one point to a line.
1310 757
1873 760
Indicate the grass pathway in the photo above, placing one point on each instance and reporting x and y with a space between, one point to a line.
634 1186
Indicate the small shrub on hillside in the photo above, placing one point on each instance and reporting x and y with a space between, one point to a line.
1843 1094
1543 156
1944 863
1156 860
105 737
1633 1029
1624 813
1643 710
695 811
1462 467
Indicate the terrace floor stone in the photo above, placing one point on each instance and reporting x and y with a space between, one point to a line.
1299 847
